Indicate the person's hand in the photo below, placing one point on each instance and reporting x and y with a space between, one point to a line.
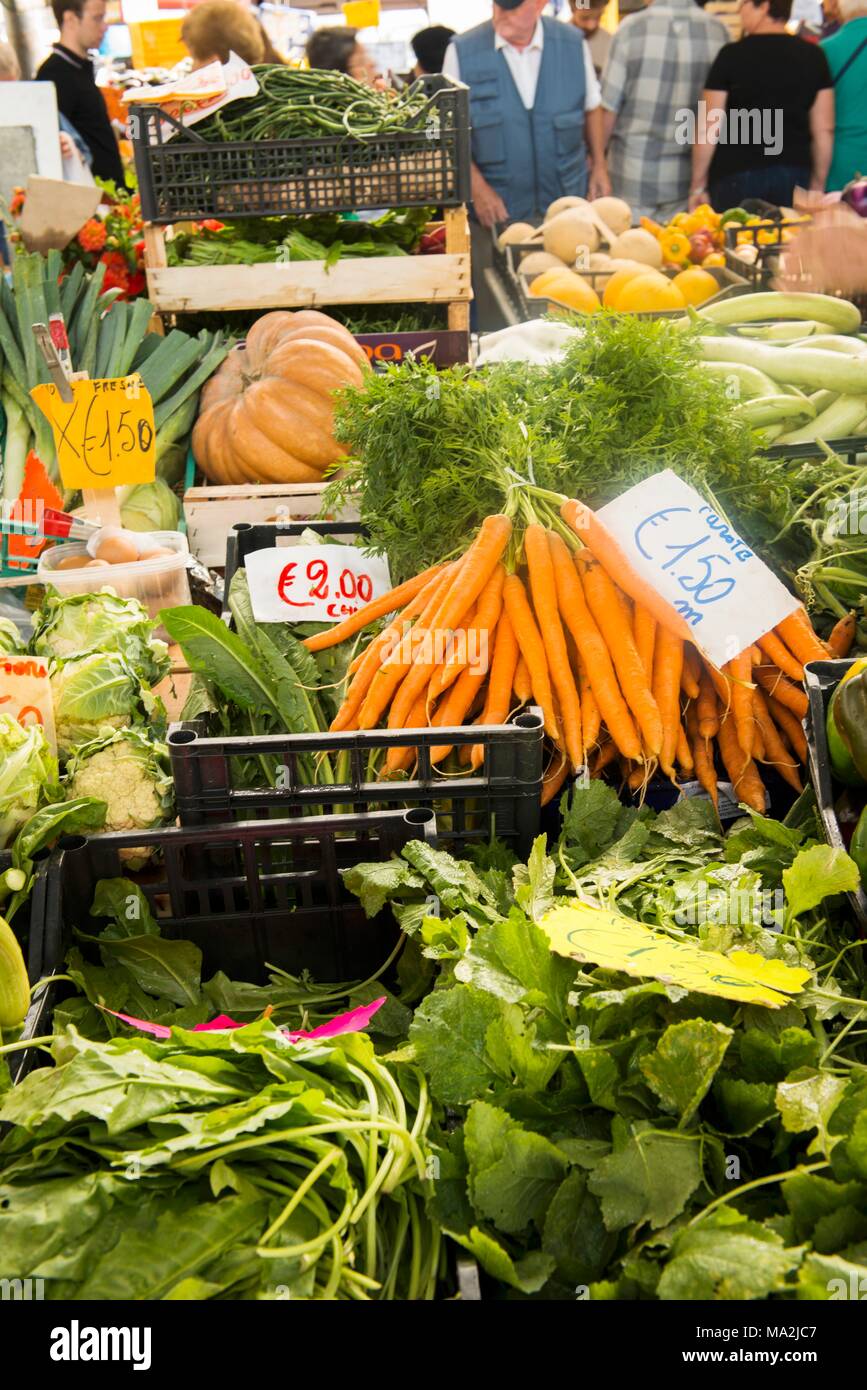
489 206
600 184
67 148
697 196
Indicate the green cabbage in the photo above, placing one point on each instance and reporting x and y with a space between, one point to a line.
102 622
149 507
96 694
130 773
28 774
10 637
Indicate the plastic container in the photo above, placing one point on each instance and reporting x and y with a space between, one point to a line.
822 679
186 178
157 584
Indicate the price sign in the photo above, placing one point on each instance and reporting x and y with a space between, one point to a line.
313 583
707 572
105 436
25 693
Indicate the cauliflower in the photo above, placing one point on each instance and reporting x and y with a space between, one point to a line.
95 694
72 627
131 774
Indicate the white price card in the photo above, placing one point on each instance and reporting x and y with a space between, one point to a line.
25 693
313 583
675 541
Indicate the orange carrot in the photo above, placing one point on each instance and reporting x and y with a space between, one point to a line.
593 651
591 719
644 631
454 707
702 754
722 685
418 719
499 696
690 677
555 776
398 660
533 651
599 540
707 709
776 684
667 665
388 603
367 663
740 669
775 754
842 635
604 755
685 760
455 658
758 753
543 588
791 726
798 635
603 604
742 771
522 685
779 654
478 565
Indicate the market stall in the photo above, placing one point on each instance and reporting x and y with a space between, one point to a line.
487 913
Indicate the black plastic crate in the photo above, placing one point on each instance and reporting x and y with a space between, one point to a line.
822 678
503 798
187 178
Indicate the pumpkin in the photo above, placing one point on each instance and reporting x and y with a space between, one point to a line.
267 413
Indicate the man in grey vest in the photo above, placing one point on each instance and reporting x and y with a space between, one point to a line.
536 117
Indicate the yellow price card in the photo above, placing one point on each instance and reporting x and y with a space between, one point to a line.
105 436
611 940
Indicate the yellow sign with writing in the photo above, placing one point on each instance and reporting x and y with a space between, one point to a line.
611 940
25 693
104 436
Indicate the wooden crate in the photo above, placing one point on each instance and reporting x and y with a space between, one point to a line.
437 279
211 511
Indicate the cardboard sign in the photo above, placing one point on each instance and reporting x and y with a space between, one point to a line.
55 211
25 693
313 583
606 938
707 572
105 437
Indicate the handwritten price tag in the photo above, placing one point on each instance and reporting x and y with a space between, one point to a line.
313 583
25 693
105 437
707 572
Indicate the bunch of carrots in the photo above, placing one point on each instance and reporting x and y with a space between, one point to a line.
610 665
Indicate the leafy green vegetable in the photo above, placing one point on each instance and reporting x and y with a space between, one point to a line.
28 774
77 625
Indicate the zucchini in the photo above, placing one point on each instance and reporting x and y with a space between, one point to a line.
751 382
811 368
841 419
790 332
839 315
768 410
14 984
835 342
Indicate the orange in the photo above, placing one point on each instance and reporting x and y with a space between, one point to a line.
567 288
649 294
618 280
695 284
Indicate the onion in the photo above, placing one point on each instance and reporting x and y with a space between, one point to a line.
855 194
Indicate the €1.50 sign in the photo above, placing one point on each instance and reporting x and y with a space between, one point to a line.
313 583
105 436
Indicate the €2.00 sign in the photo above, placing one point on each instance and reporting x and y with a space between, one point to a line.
313 583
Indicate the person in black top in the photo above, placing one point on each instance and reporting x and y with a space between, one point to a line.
766 118
429 46
82 27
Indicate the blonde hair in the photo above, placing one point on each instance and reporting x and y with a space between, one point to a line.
213 28
10 68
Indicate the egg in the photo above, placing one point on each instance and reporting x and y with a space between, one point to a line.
97 564
116 550
159 552
73 562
